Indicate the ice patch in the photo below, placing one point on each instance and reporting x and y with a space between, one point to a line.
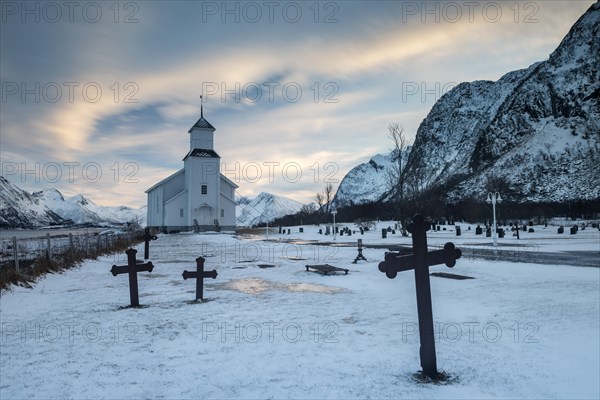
256 286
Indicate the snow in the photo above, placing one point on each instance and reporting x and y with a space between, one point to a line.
517 330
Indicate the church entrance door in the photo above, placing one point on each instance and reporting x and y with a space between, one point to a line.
205 215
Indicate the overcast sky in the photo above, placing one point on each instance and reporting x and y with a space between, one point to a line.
98 97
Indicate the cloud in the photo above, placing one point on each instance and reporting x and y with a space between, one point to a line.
163 61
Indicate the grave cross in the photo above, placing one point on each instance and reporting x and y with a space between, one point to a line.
420 260
199 274
360 254
147 238
132 268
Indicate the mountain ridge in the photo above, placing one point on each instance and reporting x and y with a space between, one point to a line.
263 208
533 134
48 207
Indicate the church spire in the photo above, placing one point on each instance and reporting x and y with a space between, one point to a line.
202 123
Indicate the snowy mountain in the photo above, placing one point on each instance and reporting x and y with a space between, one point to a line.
534 134
18 208
264 207
367 182
81 210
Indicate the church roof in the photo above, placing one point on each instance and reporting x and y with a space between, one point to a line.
229 181
202 153
202 124
168 178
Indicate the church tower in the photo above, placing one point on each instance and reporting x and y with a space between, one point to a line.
202 175
202 133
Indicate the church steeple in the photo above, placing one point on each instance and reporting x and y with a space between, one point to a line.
201 134
201 123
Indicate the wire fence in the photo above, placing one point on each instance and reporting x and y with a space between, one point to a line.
21 260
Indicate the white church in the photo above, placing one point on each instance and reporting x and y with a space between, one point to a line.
197 196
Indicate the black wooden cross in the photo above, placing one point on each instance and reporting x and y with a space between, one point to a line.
360 254
132 268
147 238
199 274
420 260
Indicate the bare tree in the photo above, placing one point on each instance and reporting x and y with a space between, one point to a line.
320 200
328 196
419 177
395 173
308 209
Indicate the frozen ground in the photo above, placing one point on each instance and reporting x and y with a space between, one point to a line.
271 329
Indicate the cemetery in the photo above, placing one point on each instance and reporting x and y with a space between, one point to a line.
477 330
284 244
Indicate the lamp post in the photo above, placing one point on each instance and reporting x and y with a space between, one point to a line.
494 198
333 213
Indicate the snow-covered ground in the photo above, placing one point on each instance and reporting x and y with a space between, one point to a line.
270 329
544 239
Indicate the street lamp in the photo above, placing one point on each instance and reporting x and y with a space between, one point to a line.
333 213
494 198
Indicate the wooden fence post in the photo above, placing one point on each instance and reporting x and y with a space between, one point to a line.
16 252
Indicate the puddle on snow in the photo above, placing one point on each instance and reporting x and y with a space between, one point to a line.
258 286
